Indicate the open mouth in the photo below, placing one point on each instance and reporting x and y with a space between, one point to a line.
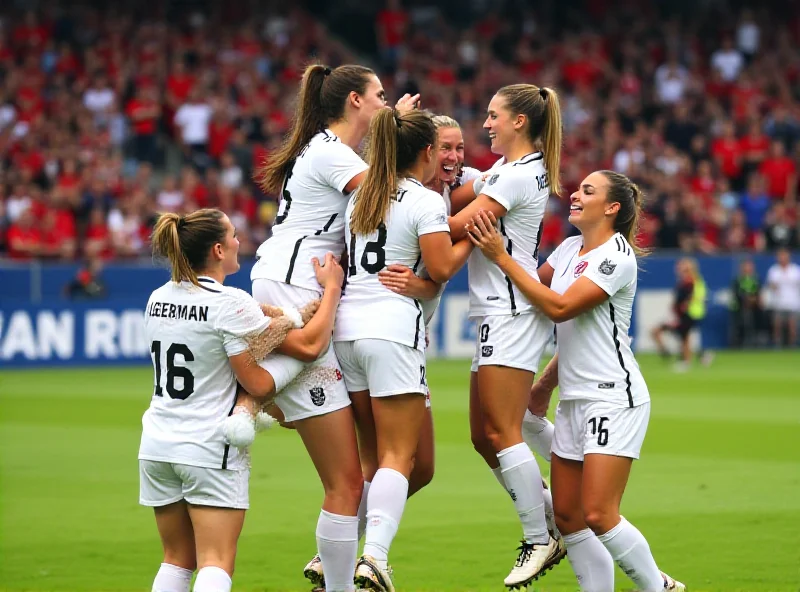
575 208
492 135
448 169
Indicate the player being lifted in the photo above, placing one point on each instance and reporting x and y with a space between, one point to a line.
524 125
204 338
380 335
314 172
587 286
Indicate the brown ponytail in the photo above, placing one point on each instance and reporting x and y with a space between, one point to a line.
395 142
542 109
320 101
630 198
185 241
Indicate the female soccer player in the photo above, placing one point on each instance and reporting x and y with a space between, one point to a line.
314 172
524 125
204 337
380 335
604 406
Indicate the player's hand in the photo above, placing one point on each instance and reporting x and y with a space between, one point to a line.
539 400
330 274
407 103
483 234
397 278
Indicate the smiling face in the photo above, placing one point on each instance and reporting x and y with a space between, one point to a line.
450 155
502 125
589 205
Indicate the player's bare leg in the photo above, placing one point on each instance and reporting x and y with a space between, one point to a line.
216 532
177 538
337 462
504 394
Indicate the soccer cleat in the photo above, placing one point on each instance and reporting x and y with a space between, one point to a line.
313 573
533 561
673 585
370 576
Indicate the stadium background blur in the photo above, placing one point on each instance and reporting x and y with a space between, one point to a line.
698 101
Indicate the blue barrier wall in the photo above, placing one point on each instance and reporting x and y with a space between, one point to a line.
39 326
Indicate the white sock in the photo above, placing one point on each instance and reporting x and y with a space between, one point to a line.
362 511
337 544
537 432
385 505
212 579
590 560
630 550
524 483
498 474
549 514
171 578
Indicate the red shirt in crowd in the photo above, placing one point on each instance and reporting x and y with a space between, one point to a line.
777 172
392 24
146 125
19 237
728 152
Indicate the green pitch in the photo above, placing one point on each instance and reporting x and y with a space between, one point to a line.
717 492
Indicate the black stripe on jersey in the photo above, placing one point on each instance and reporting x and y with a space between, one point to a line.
414 181
509 250
527 159
209 289
294 258
327 226
615 335
416 323
330 137
228 446
416 265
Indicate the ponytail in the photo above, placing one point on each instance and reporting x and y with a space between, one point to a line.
542 109
380 182
308 120
395 144
321 101
552 138
185 241
630 198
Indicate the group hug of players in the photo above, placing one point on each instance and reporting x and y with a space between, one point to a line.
332 341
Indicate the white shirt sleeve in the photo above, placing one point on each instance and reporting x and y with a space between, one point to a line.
240 317
772 276
430 216
336 164
612 271
553 258
505 189
469 173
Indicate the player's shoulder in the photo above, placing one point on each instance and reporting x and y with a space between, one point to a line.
615 252
236 294
412 193
568 247
327 144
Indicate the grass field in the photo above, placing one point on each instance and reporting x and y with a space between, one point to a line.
717 491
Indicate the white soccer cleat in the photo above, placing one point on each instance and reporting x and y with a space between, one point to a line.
239 428
533 561
673 585
370 576
313 573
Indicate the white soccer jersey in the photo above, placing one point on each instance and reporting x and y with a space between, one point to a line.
522 188
192 331
369 310
310 219
595 360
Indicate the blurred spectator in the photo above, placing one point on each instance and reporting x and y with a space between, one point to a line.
745 306
783 283
87 283
727 60
193 119
144 113
780 172
755 203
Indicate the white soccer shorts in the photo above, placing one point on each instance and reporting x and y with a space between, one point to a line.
599 427
163 483
513 341
313 389
384 368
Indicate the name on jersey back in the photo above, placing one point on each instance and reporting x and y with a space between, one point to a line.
183 312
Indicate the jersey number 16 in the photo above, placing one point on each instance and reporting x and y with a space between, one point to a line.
173 371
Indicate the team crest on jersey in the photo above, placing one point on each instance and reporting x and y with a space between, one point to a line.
607 267
580 268
492 180
338 374
317 396
487 351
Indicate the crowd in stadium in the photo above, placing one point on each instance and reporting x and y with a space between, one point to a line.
107 118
